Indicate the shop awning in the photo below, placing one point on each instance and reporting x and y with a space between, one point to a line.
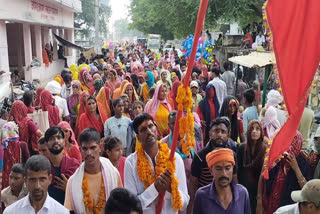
254 59
67 43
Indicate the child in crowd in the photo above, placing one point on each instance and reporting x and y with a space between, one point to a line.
112 150
3 117
16 189
119 126
137 107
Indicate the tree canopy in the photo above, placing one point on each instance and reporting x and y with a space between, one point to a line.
85 22
177 18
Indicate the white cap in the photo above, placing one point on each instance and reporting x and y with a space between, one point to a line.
309 193
53 87
194 84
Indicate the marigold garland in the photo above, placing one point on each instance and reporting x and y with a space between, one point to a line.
186 124
147 178
88 201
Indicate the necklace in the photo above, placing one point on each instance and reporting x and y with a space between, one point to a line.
88 201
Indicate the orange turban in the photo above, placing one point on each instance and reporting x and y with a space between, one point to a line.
220 155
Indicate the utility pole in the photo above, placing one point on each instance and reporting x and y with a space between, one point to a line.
96 38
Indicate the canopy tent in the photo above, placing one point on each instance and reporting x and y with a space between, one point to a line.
254 59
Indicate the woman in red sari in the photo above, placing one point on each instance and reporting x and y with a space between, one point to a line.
91 118
46 101
71 147
174 92
208 110
12 151
37 99
28 130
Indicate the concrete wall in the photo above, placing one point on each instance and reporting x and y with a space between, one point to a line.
4 58
45 74
44 12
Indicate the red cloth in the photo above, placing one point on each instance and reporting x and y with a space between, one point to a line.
46 105
295 30
88 120
271 204
174 92
74 151
27 128
82 109
37 99
92 90
12 155
121 168
30 109
67 166
248 37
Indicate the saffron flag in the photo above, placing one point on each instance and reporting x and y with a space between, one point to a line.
296 31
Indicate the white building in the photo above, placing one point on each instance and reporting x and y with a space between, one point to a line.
26 26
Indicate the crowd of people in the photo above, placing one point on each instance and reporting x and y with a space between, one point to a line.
111 122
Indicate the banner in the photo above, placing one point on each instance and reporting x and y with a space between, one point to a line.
295 30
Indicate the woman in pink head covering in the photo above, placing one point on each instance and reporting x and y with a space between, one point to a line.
134 69
71 148
112 80
85 79
269 121
159 107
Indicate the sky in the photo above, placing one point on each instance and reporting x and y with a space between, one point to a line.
119 10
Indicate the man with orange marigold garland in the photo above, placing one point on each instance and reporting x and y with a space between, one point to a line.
148 172
90 186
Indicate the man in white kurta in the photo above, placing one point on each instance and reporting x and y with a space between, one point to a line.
146 132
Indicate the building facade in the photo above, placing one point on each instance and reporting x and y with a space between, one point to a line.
26 26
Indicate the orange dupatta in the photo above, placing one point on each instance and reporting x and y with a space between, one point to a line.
117 91
103 102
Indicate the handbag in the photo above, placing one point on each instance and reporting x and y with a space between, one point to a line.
41 119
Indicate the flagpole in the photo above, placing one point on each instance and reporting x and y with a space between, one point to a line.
186 80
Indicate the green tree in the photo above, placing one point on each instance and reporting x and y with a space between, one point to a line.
177 18
121 28
84 22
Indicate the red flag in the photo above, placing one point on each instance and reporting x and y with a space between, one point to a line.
296 31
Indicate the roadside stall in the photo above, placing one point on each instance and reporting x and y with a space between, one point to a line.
256 60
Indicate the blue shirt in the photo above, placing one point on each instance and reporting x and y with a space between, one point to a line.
207 202
249 114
